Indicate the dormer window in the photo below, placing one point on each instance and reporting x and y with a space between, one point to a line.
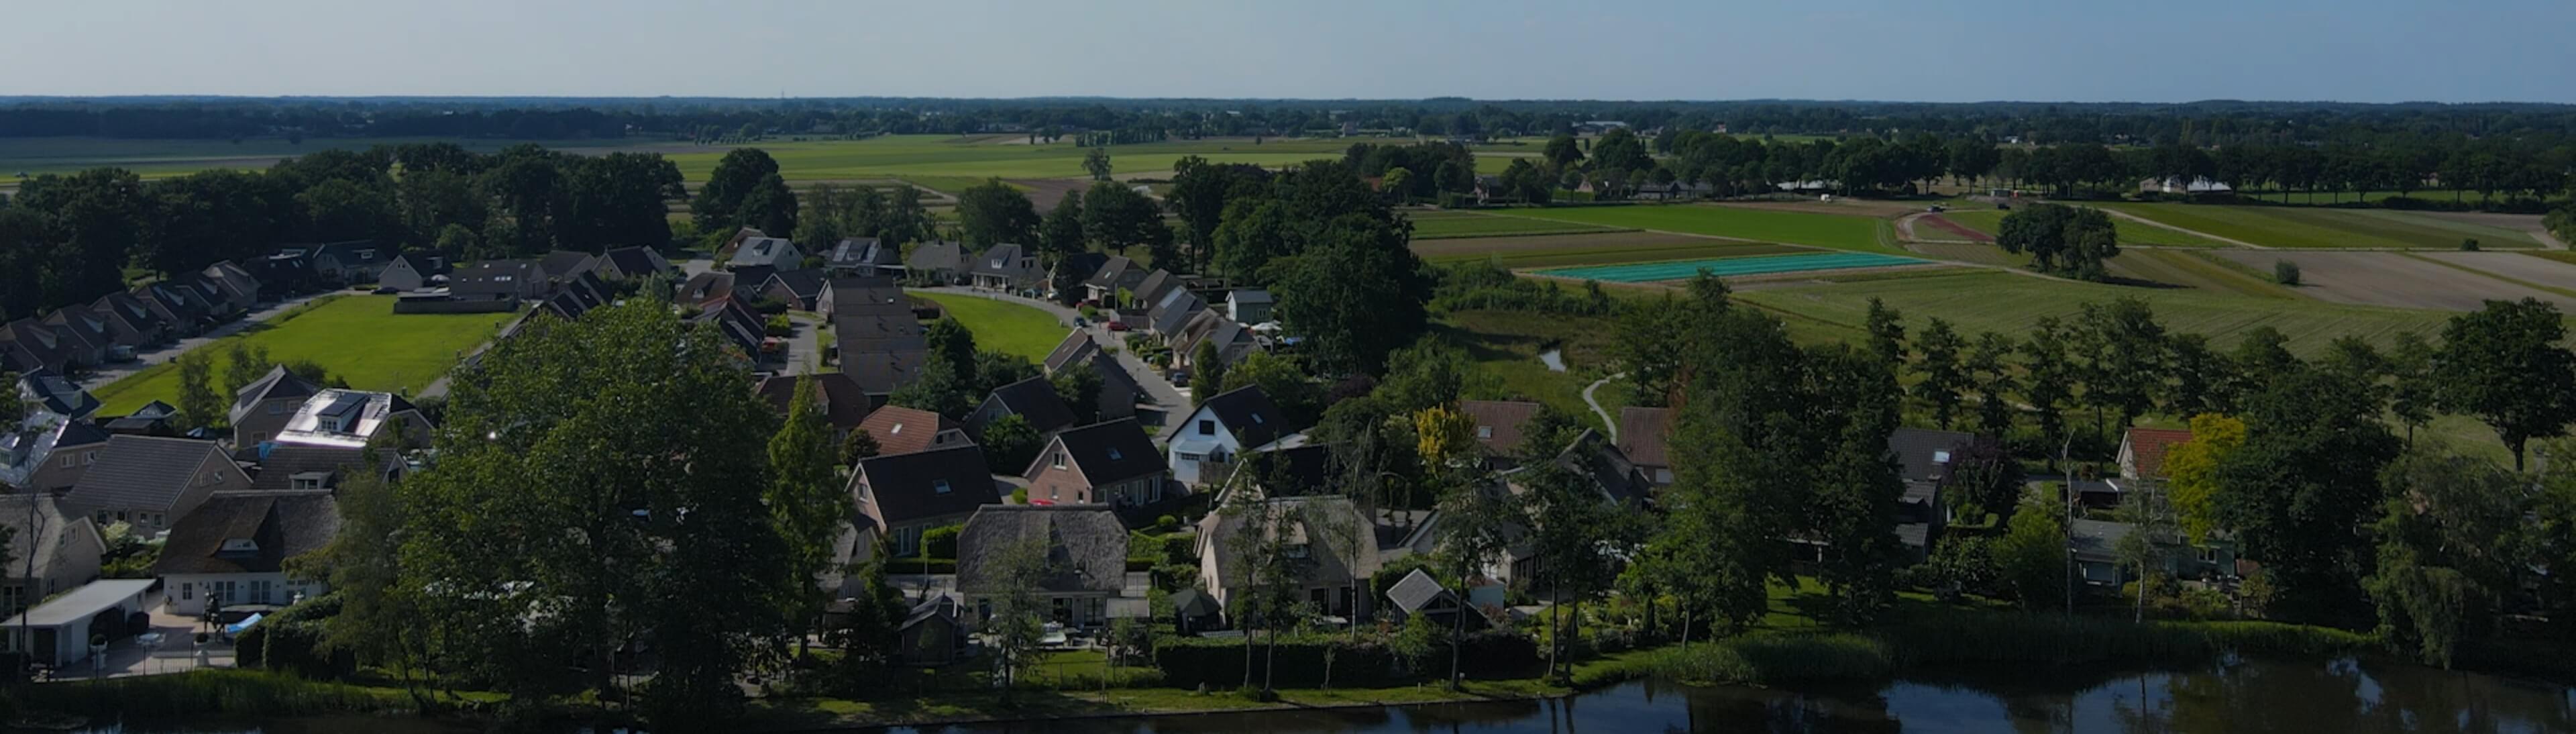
1298 550
239 545
1056 459
311 480
1256 419
896 431
1484 431
1114 455
939 486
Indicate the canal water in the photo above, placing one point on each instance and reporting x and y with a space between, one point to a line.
2236 697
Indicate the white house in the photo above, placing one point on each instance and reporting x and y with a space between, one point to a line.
232 549
1223 427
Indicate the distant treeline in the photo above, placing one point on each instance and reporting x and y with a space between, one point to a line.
2208 123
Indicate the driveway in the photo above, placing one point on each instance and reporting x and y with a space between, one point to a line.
108 373
804 346
1166 398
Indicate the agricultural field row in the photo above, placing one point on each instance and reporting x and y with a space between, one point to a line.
2306 228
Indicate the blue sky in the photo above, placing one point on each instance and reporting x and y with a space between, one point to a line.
1943 50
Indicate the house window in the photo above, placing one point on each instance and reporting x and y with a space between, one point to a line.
259 589
307 483
939 486
907 541
1256 419
1485 432
1099 610
276 408
1114 455
1207 427
89 457
187 592
1054 492
1056 459
67 461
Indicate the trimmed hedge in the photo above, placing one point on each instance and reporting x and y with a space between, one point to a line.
1218 663
291 641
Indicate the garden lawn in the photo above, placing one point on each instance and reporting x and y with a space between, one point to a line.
1981 301
2299 227
1841 232
357 338
1002 326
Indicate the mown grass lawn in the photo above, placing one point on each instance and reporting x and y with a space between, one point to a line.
1841 232
1991 221
357 338
1002 326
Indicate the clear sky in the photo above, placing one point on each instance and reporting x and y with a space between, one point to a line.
1917 50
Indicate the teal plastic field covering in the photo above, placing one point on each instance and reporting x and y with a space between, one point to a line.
1723 267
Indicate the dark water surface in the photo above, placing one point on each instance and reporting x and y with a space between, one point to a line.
2246 696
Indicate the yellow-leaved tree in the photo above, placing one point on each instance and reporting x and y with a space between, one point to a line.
2191 471
1445 434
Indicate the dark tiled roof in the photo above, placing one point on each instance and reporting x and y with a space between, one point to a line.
58 394
1924 452
1034 399
1499 422
283 525
1248 412
1110 452
930 256
1076 345
278 468
278 384
1593 458
84 433
492 278
144 471
704 287
1290 471
863 252
46 526
1415 591
874 296
81 325
1086 547
844 403
633 261
562 265
1085 264
1007 261
1111 271
1643 433
901 430
770 251
805 284
1155 285
904 486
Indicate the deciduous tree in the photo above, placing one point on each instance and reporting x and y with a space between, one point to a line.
2503 363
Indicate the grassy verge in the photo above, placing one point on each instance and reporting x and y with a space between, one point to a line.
204 693
1003 326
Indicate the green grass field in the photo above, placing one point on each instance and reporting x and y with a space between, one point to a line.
1443 225
357 338
1991 221
1860 234
2296 227
1003 326
1549 253
1982 301
1506 345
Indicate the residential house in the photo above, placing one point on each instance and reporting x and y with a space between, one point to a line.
1150 291
1084 581
1924 458
772 252
901 495
1032 399
1417 594
351 418
705 288
739 325
233 550
498 280
410 272
1643 434
352 261
1076 268
262 408
632 263
1490 189
936 263
155 418
1251 306
749 279
1330 544
799 289
577 295
151 482
50 393
1008 268
734 244
901 430
1115 275
2095 546
183 308
302 467
129 322
2142 451
40 347
1168 316
883 355
1232 340
1224 426
52 458
854 256
239 286
85 334
1111 463
1499 424
50 551
843 402
1118 388
863 296
564 265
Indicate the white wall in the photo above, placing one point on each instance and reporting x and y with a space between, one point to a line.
188 592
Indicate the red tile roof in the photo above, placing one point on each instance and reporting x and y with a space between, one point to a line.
2146 448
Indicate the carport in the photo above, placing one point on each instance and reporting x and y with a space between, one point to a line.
61 628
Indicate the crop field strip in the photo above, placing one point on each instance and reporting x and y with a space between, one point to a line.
2392 279
1537 251
1991 222
1447 225
1734 266
2319 228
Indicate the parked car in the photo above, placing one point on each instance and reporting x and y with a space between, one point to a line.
1118 326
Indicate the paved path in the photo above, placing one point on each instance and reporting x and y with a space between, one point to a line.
1610 425
108 373
1165 397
